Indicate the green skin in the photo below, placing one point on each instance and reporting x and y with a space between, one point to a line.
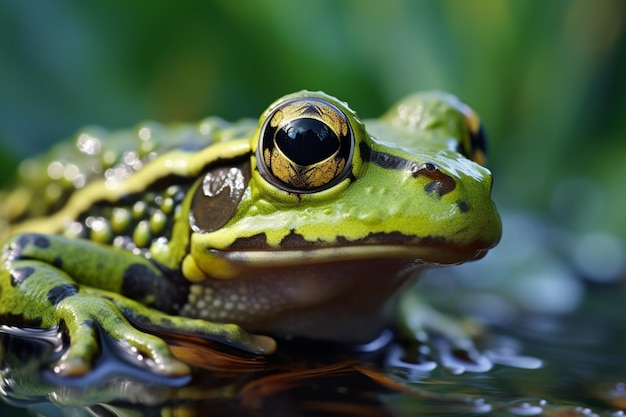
104 234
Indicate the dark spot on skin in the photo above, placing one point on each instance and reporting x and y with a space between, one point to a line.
258 241
294 239
138 320
463 206
342 240
41 242
386 238
38 240
441 183
167 323
19 275
383 160
15 250
163 289
433 240
145 323
88 323
433 187
60 292
23 240
19 321
139 280
58 262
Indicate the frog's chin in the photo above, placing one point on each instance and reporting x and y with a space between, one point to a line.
348 302
343 293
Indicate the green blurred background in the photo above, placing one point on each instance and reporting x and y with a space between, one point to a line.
547 77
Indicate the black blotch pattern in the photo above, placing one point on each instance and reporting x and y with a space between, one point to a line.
383 160
60 292
19 275
58 262
433 187
139 279
41 241
258 241
38 240
16 249
88 323
441 183
167 288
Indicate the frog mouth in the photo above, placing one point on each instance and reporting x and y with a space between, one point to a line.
254 253
417 253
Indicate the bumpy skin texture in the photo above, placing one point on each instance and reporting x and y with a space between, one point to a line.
304 224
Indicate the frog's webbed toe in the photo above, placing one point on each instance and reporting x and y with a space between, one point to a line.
154 321
84 316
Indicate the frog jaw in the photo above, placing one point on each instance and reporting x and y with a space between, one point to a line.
417 253
341 293
206 259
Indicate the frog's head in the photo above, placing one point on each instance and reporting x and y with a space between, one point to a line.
320 185
326 196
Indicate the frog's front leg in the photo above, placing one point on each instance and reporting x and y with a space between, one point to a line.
49 281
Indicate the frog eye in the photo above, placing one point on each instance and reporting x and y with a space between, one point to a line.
479 145
476 149
306 145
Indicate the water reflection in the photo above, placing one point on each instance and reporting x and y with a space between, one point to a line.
583 373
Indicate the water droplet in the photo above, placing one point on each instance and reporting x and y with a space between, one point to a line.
525 409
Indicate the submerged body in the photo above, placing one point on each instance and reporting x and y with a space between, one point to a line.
303 224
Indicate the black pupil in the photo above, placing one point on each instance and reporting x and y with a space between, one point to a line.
307 141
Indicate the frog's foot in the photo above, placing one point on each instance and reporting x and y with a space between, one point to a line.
155 321
440 340
84 315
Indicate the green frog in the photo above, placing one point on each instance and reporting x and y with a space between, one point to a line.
304 224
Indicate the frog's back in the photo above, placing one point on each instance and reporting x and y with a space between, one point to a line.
46 182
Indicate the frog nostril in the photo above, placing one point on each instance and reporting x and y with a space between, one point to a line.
430 167
441 183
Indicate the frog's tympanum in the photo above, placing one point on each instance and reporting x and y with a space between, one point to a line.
305 224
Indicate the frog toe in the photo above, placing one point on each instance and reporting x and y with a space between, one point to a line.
236 336
148 351
89 320
71 365
154 321
83 347
134 347
169 366
263 345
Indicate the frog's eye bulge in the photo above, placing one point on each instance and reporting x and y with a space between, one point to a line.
473 142
476 148
305 145
436 114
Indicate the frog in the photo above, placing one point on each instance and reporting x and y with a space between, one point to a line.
308 223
